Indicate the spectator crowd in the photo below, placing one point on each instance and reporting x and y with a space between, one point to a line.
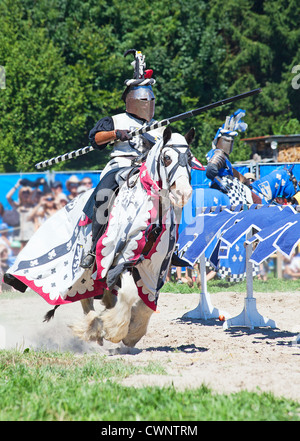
31 204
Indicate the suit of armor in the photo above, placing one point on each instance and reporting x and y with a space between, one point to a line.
218 163
127 151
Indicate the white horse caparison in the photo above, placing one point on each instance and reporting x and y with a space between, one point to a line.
126 316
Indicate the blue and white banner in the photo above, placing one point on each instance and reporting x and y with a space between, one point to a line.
221 234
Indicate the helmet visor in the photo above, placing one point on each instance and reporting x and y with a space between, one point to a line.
140 101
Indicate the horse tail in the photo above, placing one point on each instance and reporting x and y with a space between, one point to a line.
50 314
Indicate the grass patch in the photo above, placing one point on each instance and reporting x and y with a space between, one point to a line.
17 294
41 386
219 285
216 285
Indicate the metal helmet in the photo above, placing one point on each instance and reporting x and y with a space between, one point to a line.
138 95
225 143
140 101
225 135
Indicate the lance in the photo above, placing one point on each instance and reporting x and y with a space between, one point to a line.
148 128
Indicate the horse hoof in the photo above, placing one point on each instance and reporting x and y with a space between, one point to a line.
115 336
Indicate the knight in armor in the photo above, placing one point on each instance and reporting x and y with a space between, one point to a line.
127 151
219 164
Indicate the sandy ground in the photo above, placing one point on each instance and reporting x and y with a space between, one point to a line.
192 351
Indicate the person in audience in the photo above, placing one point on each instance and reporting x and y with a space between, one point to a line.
6 240
43 210
292 268
23 205
3 213
15 247
263 271
81 189
250 176
87 182
72 186
5 235
61 201
4 265
57 190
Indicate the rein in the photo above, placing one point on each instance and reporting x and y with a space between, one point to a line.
184 160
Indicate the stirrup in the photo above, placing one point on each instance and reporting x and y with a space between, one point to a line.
88 260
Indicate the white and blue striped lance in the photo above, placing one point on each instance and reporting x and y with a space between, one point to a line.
164 122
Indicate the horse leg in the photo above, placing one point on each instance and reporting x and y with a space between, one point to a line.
87 305
140 316
116 320
89 329
109 299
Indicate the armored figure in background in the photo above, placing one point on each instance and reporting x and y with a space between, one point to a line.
219 164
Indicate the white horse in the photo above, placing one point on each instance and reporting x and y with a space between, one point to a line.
127 315
132 257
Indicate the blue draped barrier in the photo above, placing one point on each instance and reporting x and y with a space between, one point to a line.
265 169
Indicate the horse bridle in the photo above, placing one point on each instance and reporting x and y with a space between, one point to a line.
184 160
293 178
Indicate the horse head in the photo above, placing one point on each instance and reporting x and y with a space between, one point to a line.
174 165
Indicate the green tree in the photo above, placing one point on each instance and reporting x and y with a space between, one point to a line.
42 105
65 69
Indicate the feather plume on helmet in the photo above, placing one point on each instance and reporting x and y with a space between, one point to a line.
138 95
